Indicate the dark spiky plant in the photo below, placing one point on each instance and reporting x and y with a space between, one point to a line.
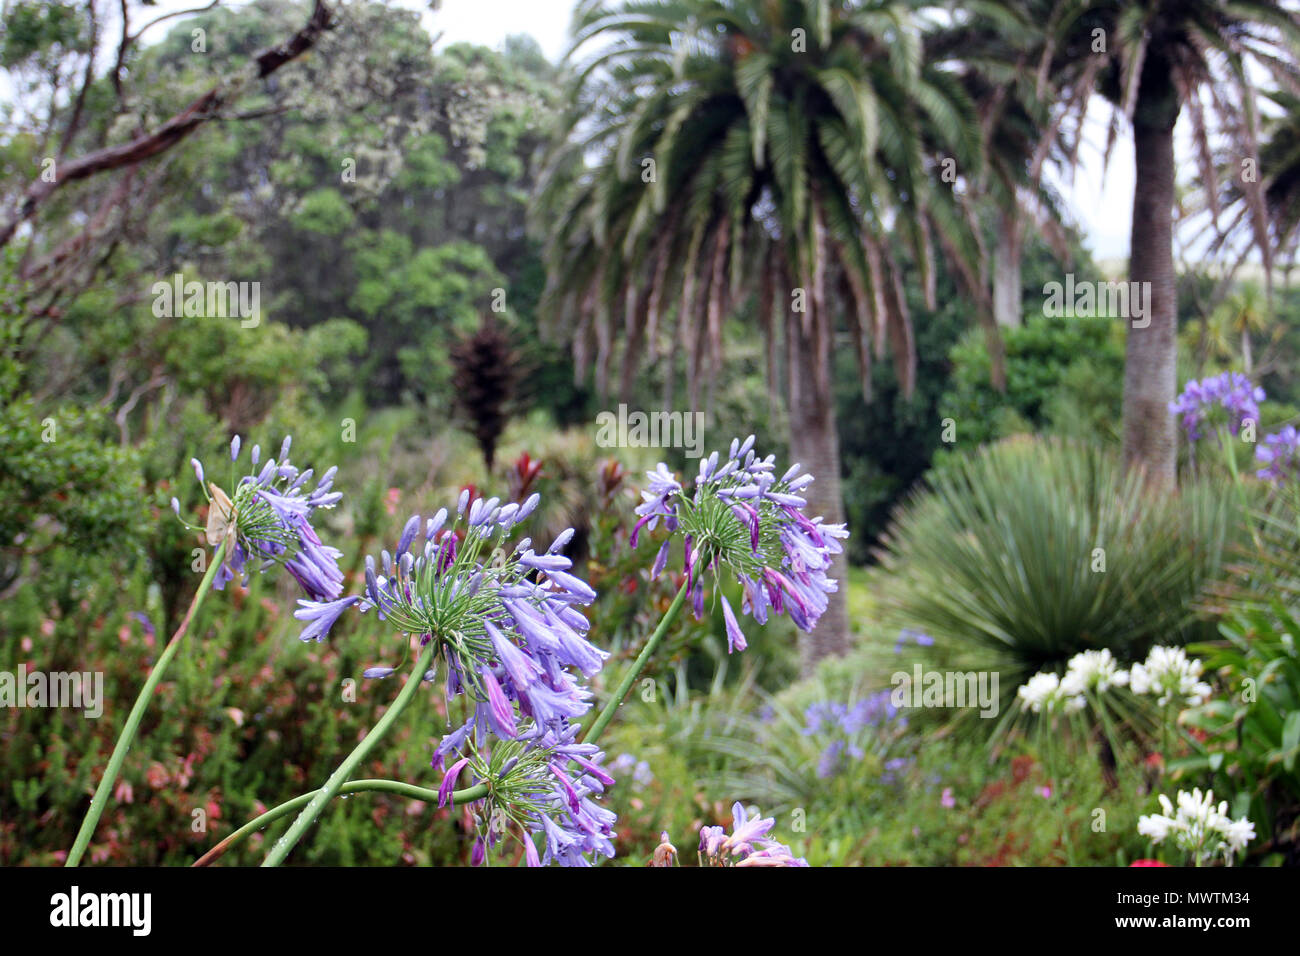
777 160
484 374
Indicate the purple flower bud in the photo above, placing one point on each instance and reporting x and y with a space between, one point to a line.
198 469
503 715
176 507
661 561
408 534
735 639
636 529
573 585
545 562
528 507
234 448
371 673
449 780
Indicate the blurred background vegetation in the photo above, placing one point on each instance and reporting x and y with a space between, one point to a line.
383 190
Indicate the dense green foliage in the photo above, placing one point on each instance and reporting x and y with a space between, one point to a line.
392 196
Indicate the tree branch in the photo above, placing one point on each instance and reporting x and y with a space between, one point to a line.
174 130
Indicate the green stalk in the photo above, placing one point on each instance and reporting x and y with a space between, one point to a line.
332 786
100 799
1230 453
638 665
352 786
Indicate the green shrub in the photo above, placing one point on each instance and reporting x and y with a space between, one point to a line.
1031 550
1064 375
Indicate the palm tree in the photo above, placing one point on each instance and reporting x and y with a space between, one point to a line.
1279 160
1164 56
1022 89
730 151
1243 214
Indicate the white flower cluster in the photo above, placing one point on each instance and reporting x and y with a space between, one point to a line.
1095 671
1198 826
1170 676
1045 692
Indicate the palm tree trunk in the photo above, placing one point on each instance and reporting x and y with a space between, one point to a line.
814 443
1247 359
1150 439
1006 270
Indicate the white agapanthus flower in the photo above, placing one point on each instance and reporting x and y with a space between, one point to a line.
1044 692
1170 676
1198 826
1095 671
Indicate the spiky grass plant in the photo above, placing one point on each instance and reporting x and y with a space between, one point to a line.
1031 550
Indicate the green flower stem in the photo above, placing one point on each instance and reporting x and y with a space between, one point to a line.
325 794
352 786
1230 454
612 705
105 788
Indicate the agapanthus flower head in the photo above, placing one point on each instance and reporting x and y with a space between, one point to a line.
1092 671
505 618
1045 693
737 517
266 519
747 844
1198 826
1227 399
543 786
1280 455
1169 675
845 731
511 644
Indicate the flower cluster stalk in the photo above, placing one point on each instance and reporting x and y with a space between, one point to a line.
399 787
624 685
124 740
332 786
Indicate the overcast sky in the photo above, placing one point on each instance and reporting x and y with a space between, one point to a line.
1101 210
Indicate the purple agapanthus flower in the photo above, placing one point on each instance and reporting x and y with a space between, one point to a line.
919 638
509 633
550 789
1280 456
512 643
739 516
1229 399
747 844
266 520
